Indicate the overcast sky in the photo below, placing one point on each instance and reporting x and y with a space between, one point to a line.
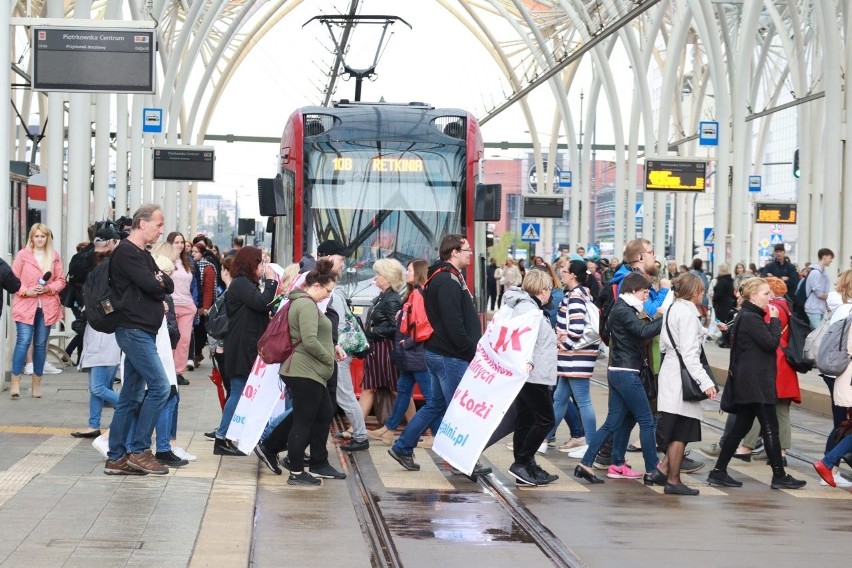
438 61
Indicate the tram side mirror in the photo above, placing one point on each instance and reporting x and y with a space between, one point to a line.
487 203
270 197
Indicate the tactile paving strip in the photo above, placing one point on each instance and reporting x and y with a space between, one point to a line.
37 462
394 476
813 490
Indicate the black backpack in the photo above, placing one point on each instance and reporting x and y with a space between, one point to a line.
800 296
794 353
217 323
99 300
605 301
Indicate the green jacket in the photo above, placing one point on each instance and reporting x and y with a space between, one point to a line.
314 356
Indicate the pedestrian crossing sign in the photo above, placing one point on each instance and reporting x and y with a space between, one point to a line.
531 232
776 239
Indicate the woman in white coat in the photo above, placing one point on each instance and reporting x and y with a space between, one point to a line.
680 420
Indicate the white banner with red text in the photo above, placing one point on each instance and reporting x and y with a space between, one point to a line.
262 398
488 388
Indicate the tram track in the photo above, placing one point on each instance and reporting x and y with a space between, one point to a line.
550 545
383 551
378 534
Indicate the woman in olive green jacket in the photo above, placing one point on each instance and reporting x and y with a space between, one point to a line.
306 374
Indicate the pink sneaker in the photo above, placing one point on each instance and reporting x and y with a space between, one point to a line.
622 472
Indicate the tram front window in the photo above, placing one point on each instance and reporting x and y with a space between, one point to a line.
390 205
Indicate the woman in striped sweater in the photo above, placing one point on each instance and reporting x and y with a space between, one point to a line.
577 353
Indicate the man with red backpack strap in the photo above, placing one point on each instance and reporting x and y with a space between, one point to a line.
451 347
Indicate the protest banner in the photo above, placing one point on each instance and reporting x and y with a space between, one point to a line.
262 398
488 388
262 393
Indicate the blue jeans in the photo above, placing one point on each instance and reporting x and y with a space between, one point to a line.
626 395
142 366
832 458
815 318
37 334
238 383
276 421
446 374
404 392
100 391
580 421
167 419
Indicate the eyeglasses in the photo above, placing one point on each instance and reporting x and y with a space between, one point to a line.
465 250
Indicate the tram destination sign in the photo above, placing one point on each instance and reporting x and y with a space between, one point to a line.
781 213
186 163
545 207
94 60
669 174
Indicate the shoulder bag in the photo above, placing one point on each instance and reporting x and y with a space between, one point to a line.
726 403
691 391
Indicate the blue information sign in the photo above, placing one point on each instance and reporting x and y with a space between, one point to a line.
531 232
708 133
152 120
754 183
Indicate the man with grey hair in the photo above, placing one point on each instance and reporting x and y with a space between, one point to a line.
138 290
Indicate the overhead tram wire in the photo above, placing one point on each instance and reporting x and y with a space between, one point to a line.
601 35
338 60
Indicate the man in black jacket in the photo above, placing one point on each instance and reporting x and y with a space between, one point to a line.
456 326
783 269
139 288
8 281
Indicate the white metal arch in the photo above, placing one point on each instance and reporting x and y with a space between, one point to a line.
745 55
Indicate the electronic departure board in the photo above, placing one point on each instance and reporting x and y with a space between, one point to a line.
184 163
675 175
782 213
546 207
94 60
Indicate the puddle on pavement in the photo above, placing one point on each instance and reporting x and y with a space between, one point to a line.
457 517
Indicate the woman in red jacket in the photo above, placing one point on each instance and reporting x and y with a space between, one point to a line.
36 306
786 379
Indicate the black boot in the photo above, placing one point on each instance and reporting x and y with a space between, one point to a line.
222 447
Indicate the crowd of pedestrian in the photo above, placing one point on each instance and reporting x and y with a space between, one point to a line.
649 322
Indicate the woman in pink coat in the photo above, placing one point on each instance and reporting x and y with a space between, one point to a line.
36 306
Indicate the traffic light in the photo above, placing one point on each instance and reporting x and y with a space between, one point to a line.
489 235
696 250
796 171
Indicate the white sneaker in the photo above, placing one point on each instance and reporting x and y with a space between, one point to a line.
28 369
102 445
183 454
579 452
510 446
49 369
839 481
542 449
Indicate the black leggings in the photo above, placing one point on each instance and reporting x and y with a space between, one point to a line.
746 413
534 407
312 416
